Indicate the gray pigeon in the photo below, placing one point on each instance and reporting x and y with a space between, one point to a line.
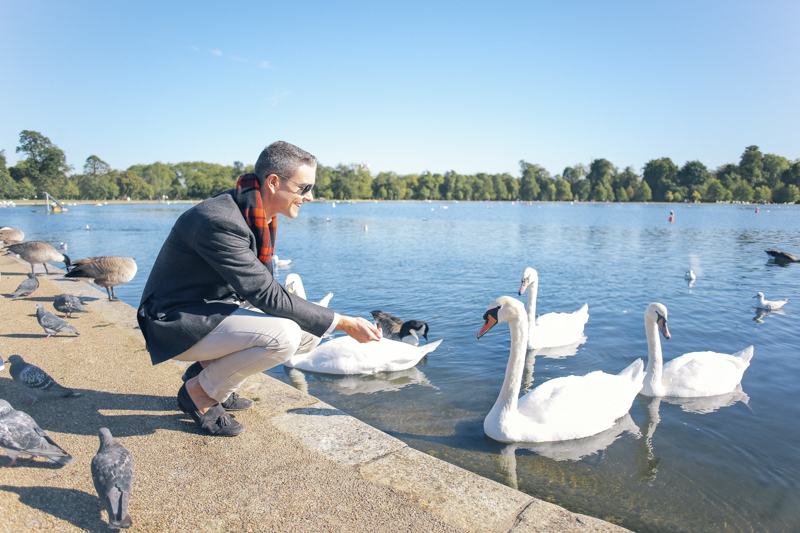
19 433
51 323
112 473
2 365
68 304
27 287
35 382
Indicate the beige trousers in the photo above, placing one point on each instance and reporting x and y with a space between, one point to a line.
247 342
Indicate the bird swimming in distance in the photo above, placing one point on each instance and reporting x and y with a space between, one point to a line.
35 382
112 474
395 329
690 275
769 305
27 287
68 304
51 324
39 253
106 271
63 246
782 257
280 262
19 433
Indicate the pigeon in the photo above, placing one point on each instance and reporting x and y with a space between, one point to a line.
769 305
68 304
27 287
395 329
19 433
51 323
35 382
112 473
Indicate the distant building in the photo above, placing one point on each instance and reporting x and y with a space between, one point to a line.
365 166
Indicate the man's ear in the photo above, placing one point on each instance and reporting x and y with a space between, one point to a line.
271 183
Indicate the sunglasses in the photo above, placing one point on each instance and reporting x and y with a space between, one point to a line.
304 189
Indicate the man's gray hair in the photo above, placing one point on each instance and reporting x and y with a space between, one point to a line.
282 158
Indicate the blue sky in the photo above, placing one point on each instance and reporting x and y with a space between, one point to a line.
405 86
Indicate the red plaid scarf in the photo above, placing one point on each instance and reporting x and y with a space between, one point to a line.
247 195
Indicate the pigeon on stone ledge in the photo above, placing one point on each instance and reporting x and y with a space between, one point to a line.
51 323
112 473
19 433
35 382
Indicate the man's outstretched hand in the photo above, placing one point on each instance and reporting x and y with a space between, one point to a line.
358 328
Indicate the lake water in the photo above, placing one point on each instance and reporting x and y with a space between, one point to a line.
730 466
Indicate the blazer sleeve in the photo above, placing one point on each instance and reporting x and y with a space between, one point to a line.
225 245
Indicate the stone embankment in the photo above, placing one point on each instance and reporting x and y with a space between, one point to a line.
301 466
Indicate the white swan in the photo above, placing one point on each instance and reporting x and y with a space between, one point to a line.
769 305
690 375
345 355
553 329
294 285
565 408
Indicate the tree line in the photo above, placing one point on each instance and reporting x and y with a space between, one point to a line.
757 177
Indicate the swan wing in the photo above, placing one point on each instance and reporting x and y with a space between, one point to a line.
705 373
345 355
559 329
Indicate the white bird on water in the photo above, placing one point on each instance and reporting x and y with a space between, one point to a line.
281 262
690 275
769 305
551 329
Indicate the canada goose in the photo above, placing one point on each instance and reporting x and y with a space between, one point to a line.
782 257
10 235
39 252
106 271
395 329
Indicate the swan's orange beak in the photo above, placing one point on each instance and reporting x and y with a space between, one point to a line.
489 324
523 286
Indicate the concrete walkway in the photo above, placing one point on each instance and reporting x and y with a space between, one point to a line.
302 465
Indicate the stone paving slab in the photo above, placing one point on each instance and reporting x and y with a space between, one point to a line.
302 465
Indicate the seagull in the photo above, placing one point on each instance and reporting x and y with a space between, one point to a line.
106 271
690 275
769 305
39 252
35 382
68 304
112 473
395 329
782 257
51 323
88 228
27 287
281 262
63 246
19 433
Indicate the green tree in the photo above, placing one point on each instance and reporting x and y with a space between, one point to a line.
622 195
574 174
773 168
714 191
762 194
791 176
45 165
8 188
728 175
789 194
563 190
742 192
693 176
162 178
130 184
530 183
751 166
661 176
581 189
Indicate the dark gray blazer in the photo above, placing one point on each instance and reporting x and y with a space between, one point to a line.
208 261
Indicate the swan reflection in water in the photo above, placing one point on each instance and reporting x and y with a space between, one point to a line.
565 450
646 461
761 313
360 384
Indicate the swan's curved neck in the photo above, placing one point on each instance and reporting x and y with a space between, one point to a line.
655 360
509 395
533 289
